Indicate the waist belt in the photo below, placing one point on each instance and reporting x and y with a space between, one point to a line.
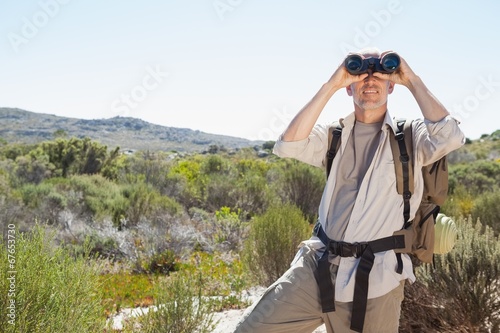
366 252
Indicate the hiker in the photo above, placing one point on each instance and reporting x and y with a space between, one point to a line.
360 205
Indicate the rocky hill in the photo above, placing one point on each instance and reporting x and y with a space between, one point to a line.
128 133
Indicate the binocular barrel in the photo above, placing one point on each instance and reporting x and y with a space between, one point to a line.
356 64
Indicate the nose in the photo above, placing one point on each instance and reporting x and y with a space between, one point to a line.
370 75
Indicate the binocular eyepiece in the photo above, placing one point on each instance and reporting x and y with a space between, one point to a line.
357 64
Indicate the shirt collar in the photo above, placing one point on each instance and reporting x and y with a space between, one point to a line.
348 122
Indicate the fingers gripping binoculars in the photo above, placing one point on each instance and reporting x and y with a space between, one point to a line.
357 64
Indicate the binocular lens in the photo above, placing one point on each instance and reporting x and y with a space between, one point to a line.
354 63
390 62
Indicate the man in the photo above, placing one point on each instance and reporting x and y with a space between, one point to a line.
359 204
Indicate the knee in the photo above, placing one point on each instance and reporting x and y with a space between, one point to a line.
256 319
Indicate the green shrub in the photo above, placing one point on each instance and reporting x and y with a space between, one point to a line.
487 208
125 290
214 164
221 192
152 167
303 186
477 177
223 275
239 183
229 229
44 201
190 182
33 195
163 262
273 240
459 203
252 193
246 165
75 156
101 197
464 287
32 170
53 292
180 308
144 201
97 246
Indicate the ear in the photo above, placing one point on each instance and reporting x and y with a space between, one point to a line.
349 90
391 87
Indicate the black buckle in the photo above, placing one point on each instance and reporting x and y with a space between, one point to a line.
359 249
344 249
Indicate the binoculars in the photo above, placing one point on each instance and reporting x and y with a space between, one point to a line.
357 64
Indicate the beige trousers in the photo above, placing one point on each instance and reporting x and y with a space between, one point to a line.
292 305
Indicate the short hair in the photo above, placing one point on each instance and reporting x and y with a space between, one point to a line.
372 51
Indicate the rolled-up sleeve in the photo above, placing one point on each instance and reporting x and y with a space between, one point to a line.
311 150
434 140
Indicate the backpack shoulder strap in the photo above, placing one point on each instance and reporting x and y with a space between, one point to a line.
334 135
402 151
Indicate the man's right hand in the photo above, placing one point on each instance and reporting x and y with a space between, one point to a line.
341 78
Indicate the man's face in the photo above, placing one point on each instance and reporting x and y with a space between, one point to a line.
371 93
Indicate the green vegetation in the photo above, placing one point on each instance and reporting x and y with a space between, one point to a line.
272 242
460 293
179 307
51 291
142 229
125 290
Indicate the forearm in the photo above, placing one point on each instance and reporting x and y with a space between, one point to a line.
302 124
429 105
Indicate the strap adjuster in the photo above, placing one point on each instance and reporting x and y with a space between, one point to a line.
404 158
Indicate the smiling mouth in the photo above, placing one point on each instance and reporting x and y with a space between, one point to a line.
370 91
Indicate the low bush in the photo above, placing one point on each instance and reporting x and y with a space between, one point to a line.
44 201
486 207
163 262
125 290
463 290
145 202
179 308
97 246
51 291
302 185
100 197
223 275
478 176
228 229
459 203
273 240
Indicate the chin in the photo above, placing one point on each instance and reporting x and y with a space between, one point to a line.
370 105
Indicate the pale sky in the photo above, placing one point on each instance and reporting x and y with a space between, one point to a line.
240 67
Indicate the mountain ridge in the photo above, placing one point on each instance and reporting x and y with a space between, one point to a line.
21 126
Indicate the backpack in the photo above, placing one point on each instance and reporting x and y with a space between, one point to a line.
418 233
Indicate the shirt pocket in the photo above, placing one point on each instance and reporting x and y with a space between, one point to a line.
387 174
